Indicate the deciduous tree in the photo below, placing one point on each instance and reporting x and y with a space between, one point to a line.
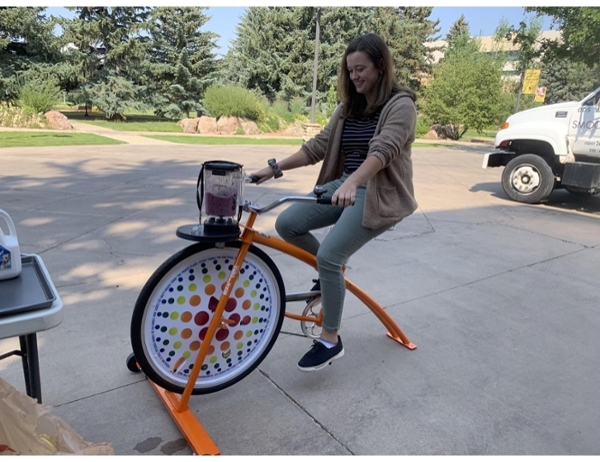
580 30
465 92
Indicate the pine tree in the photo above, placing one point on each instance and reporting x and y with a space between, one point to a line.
274 49
110 49
406 29
181 62
459 28
338 27
252 60
28 47
566 80
459 39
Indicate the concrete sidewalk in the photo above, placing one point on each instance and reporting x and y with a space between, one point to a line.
136 138
501 299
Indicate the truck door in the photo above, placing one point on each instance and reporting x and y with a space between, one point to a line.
584 130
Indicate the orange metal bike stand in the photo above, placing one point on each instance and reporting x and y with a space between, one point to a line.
394 331
188 423
409 345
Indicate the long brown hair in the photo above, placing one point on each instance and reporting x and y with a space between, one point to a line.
387 85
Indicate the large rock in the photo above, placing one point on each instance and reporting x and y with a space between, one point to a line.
224 126
228 125
249 127
431 135
58 120
294 129
189 125
207 125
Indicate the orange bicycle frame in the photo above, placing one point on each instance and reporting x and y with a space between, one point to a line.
250 236
177 405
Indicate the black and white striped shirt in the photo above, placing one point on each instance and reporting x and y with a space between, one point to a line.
358 131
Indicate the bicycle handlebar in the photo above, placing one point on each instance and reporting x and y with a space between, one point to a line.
319 191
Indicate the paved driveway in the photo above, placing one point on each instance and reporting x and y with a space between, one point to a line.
501 298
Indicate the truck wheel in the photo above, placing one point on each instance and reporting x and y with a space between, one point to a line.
528 178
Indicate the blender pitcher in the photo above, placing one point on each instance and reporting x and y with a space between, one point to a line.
221 191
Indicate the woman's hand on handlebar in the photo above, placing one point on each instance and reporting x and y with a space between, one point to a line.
262 175
345 195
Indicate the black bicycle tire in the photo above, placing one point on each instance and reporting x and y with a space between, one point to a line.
142 305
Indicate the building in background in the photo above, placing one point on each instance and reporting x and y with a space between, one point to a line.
490 46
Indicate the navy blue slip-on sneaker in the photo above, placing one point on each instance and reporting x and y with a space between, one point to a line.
317 286
320 356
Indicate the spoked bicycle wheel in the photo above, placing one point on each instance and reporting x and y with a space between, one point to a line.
175 307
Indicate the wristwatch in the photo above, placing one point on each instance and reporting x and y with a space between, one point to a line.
276 170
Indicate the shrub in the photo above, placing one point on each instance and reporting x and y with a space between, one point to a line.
423 125
322 119
273 123
38 95
114 96
298 107
282 110
331 101
12 116
231 101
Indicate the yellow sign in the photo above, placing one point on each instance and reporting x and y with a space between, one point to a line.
540 95
530 82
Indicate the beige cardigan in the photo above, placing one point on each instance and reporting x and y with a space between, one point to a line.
390 193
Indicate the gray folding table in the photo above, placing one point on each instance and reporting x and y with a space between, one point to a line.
29 304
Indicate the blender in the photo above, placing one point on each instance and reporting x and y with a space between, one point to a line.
220 188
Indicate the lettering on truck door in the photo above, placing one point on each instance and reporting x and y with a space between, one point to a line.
585 128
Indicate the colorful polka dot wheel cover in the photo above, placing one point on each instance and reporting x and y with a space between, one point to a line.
181 308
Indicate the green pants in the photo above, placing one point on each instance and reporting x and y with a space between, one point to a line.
345 238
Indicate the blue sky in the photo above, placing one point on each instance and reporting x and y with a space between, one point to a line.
482 20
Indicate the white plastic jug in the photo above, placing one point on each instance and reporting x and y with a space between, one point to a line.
10 254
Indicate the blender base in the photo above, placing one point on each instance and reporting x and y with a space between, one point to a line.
199 233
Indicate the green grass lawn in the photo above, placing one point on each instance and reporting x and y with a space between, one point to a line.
484 134
221 140
138 126
425 144
42 139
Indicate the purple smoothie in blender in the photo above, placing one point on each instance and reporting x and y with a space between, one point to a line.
221 206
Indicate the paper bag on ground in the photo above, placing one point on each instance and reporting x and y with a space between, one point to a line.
27 427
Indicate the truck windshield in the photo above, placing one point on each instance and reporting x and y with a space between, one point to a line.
592 99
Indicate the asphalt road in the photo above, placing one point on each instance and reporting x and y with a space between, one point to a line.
501 299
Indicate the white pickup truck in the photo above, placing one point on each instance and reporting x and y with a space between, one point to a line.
548 147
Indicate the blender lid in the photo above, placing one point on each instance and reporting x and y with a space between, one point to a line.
222 165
